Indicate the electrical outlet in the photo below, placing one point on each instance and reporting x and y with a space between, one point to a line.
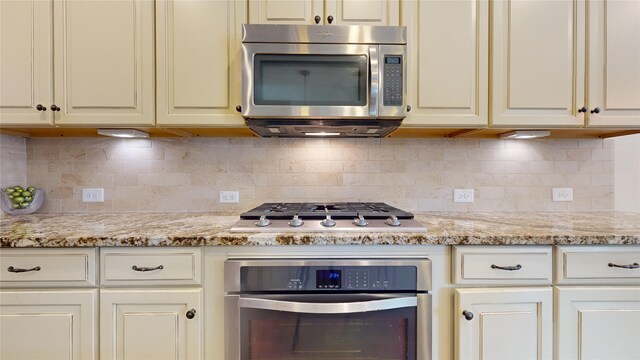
93 195
232 197
562 194
462 195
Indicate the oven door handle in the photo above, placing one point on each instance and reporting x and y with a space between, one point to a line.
328 308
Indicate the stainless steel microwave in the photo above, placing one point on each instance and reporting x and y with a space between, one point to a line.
307 80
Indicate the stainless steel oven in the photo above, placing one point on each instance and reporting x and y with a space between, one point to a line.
321 309
297 79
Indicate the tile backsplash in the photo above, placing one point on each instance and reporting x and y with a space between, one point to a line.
13 161
413 174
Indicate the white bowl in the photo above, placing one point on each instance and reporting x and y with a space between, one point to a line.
5 203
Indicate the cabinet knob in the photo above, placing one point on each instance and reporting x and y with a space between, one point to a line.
329 19
238 108
408 108
468 315
317 19
55 108
596 111
583 109
39 107
191 314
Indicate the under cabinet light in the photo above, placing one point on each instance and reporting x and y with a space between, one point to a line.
525 134
322 134
123 133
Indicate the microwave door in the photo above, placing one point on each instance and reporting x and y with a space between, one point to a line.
321 81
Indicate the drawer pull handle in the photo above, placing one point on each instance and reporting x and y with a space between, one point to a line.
508 268
630 266
18 270
143 269
191 314
468 315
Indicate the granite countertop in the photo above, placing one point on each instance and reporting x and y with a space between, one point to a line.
197 229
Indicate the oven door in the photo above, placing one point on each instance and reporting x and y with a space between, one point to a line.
321 81
327 326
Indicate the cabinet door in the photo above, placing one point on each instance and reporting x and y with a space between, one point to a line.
448 86
598 323
285 11
26 71
150 324
507 323
363 12
199 77
614 58
48 324
537 63
104 62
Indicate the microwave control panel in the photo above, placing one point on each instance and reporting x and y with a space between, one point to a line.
392 80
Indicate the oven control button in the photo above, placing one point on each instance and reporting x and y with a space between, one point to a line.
296 221
263 221
360 221
392 221
328 222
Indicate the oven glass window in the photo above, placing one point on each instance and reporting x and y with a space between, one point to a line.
310 80
271 335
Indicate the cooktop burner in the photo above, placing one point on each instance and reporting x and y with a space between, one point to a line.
327 217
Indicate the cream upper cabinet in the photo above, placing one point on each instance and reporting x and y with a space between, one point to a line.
613 63
598 323
26 69
538 63
104 62
448 62
342 12
198 60
504 323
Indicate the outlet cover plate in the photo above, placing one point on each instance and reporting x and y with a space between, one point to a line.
463 195
93 195
562 194
229 197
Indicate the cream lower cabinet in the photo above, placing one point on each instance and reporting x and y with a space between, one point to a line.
151 324
448 82
325 12
44 311
504 323
513 322
48 324
151 303
598 322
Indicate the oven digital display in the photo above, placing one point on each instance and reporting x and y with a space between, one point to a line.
328 279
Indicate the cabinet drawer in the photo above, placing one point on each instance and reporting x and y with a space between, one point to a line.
47 268
598 264
514 265
156 266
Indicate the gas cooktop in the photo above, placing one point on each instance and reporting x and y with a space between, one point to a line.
327 217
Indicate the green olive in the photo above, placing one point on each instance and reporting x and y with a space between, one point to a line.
31 189
18 200
15 206
24 205
26 193
16 193
28 198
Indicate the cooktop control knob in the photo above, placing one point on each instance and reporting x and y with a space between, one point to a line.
360 221
296 221
263 221
328 222
392 221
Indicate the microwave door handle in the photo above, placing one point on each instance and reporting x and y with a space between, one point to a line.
374 81
328 308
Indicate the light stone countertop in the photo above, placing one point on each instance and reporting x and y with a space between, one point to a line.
198 229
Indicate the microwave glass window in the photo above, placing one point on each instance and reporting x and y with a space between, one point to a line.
311 80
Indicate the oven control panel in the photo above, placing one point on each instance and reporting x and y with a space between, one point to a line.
328 278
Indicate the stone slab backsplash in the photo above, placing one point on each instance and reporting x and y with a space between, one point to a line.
413 174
